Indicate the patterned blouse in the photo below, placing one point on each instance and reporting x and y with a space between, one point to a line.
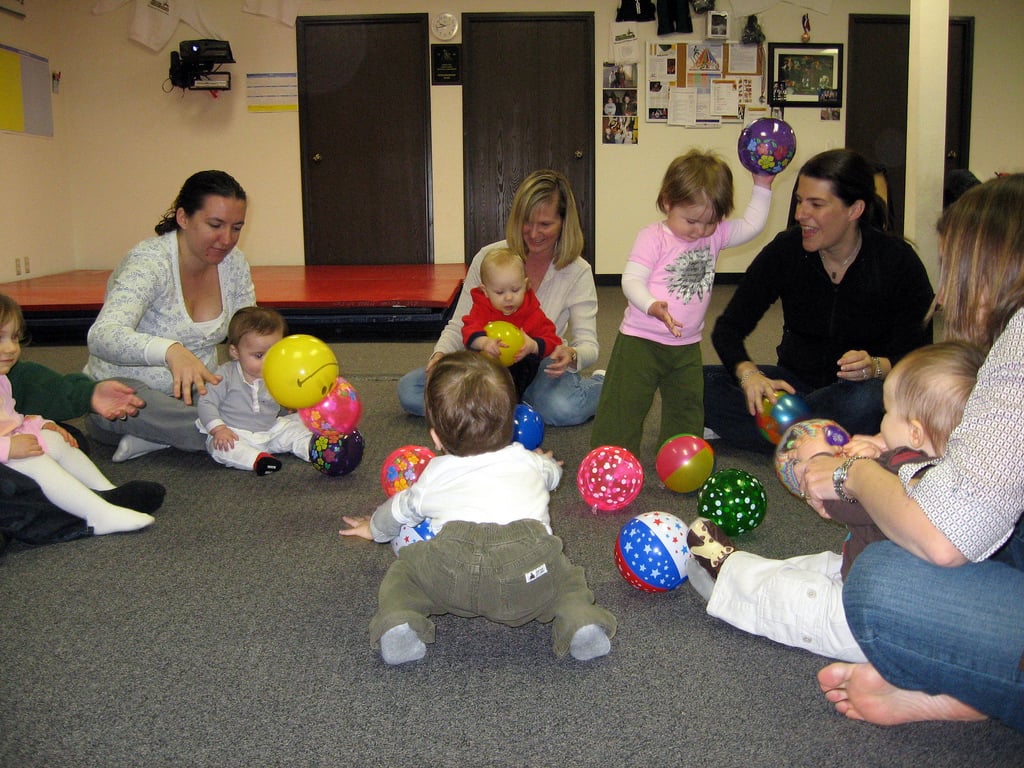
144 313
975 493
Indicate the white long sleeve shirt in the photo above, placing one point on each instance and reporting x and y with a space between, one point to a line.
499 487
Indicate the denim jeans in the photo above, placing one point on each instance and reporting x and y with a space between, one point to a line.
563 402
957 631
856 406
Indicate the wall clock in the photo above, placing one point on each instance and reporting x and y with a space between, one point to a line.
445 26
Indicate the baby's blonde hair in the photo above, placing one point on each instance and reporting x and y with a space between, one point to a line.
932 385
500 258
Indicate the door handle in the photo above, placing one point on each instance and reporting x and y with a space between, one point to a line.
317 157
578 154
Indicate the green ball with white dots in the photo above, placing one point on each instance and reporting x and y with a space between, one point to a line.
733 500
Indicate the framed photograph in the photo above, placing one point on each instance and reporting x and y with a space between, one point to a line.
718 25
805 74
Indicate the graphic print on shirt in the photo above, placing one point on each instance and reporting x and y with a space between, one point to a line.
691 273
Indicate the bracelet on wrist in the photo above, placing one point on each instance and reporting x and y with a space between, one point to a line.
839 479
878 366
748 374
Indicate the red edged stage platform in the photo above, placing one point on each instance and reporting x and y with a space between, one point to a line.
337 303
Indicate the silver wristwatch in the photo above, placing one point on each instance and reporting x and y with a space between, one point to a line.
839 479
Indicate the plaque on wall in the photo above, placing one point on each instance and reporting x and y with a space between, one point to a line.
445 64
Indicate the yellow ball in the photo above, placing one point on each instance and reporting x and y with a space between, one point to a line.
504 331
299 370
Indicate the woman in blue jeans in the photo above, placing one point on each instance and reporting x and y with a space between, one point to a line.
853 301
939 609
544 227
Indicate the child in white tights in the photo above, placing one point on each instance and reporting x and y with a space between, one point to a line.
47 453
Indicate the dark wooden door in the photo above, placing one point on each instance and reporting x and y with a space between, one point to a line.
364 137
527 103
876 93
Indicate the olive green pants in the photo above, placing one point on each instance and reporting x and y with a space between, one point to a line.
637 369
511 574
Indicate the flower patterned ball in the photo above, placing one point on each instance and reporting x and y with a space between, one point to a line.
803 440
651 552
403 467
337 414
609 478
336 455
766 146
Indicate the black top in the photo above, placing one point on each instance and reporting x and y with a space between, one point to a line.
879 306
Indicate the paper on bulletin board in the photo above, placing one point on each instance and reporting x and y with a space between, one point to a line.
270 92
691 108
25 84
626 46
661 77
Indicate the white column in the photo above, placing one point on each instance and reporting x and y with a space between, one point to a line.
926 126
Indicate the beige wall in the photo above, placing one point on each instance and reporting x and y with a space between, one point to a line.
123 144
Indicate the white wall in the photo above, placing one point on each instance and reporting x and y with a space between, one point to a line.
123 144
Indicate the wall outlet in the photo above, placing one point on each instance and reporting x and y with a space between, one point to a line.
17 265
28 269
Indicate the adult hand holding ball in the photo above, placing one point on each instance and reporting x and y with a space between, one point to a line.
775 418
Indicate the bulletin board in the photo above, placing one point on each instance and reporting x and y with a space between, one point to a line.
25 83
705 84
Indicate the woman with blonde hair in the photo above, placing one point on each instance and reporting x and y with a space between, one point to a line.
544 228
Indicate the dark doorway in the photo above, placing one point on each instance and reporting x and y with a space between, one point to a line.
527 103
876 92
364 138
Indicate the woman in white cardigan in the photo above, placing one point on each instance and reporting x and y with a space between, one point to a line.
544 227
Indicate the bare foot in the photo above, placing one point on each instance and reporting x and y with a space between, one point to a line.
861 693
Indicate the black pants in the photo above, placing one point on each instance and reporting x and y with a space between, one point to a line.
27 516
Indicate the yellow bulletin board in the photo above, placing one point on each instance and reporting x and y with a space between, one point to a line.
25 83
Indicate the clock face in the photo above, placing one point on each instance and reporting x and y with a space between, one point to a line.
445 26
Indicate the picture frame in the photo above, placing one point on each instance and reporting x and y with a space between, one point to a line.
805 75
717 25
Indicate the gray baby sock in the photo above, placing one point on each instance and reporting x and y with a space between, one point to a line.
401 644
589 642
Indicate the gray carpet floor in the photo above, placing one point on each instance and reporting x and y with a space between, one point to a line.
233 632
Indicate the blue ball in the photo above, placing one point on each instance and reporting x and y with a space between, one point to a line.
651 551
410 534
528 427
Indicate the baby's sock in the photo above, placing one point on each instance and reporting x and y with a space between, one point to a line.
589 642
131 447
140 495
113 519
266 463
401 644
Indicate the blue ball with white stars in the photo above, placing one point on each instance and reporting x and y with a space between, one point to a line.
651 551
